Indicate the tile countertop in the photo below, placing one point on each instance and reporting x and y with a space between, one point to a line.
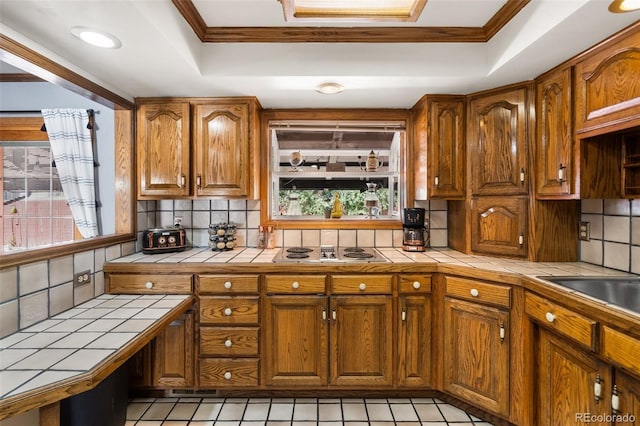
436 256
74 350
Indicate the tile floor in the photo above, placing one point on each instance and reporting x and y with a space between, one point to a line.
298 411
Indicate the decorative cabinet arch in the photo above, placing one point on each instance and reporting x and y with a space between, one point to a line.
608 88
556 152
498 145
499 225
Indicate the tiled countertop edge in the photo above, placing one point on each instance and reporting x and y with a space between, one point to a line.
42 396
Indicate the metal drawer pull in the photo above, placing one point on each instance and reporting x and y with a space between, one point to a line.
615 400
324 315
416 284
502 332
148 285
227 311
362 286
295 284
333 315
550 317
228 343
227 285
474 292
404 315
597 388
227 375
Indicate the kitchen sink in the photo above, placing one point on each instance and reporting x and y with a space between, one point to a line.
619 291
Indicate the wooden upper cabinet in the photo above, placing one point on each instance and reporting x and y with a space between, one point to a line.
608 86
198 147
163 149
498 143
556 153
439 147
224 146
499 225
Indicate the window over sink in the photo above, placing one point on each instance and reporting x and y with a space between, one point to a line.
312 163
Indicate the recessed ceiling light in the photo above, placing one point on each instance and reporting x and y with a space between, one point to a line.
620 6
96 37
329 88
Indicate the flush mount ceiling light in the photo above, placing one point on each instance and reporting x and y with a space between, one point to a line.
329 88
621 6
352 10
96 37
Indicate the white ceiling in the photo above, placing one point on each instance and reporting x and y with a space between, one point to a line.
161 56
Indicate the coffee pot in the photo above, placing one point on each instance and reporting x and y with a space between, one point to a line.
373 162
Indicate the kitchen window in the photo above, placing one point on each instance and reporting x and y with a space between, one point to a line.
314 162
35 211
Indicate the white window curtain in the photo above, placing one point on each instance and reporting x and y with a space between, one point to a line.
73 153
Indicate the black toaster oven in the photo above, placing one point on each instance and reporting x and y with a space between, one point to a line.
164 240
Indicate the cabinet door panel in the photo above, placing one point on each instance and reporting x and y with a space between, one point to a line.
555 154
296 340
163 149
414 357
629 394
565 381
173 362
447 145
498 143
361 340
221 139
476 361
499 225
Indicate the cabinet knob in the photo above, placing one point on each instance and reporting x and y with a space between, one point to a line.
227 375
550 317
227 311
362 286
228 343
615 400
295 284
436 180
148 285
474 292
416 284
227 285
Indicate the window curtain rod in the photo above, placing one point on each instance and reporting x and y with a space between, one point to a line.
37 111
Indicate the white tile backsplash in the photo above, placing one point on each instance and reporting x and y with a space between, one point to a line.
9 286
60 270
615 233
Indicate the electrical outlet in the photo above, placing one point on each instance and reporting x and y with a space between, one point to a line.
584 233
82 278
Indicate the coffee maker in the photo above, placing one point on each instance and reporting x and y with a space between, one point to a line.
415 235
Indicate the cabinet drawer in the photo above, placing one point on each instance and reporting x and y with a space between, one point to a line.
224 372
621 349
229 341
144 284
562 320
479 291
415 284
310 284
228 284
229 310
361 284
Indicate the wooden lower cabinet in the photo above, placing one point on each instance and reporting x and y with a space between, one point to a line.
311 341
296 342
167 362
476 354
628 392
414 341
565 382
361 340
